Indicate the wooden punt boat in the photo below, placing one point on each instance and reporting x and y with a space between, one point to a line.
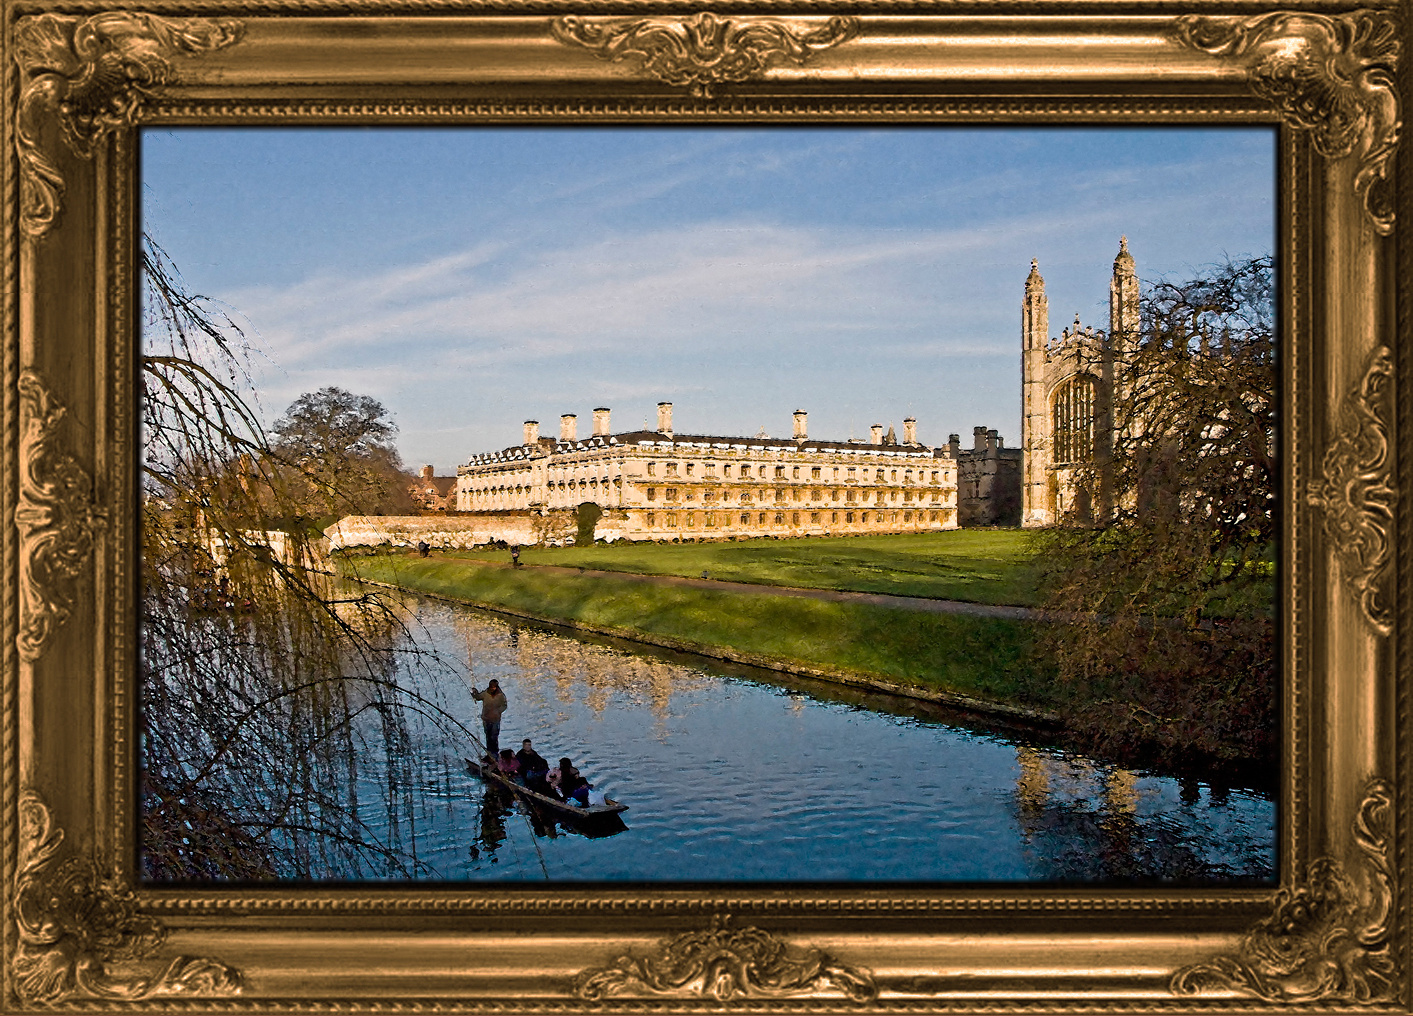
553 806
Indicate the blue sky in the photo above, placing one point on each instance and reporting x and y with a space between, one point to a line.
474 278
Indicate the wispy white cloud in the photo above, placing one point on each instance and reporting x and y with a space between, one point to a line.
720 284
674 271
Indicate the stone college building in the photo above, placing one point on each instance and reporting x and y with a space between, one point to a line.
660 485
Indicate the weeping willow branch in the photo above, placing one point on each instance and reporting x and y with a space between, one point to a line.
277 709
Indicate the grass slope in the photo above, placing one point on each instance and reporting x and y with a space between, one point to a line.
982 657
979 566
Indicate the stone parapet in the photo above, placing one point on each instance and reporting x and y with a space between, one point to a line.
519 529
444 533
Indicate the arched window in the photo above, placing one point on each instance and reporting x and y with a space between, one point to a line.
1073 420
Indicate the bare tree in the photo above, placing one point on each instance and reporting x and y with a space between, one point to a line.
1170 593
341 446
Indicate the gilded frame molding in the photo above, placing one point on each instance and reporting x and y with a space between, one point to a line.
80 934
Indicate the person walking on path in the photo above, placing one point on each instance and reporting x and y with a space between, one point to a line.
493 705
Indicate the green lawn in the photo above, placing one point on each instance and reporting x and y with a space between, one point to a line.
981 657
979 566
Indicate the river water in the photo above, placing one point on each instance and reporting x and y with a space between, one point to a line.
737 774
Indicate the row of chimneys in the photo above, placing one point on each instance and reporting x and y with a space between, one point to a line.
982 440
875 432
569 422
568 425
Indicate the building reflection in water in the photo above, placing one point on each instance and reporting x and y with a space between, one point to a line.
1033 785
548 667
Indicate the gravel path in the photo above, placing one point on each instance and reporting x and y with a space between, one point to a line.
880 599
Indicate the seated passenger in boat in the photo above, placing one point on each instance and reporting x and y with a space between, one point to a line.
530 760
506 764
572 786
534 770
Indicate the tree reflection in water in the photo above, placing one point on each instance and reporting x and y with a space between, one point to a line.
261 727
1083 822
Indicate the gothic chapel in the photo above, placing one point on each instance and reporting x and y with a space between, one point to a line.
1067 387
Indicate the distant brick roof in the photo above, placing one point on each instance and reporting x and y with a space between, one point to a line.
433 491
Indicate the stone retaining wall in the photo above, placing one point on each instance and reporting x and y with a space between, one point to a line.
520 529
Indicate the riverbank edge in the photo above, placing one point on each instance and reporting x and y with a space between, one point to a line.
852 679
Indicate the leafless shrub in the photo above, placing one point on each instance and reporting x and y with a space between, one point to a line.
1171 585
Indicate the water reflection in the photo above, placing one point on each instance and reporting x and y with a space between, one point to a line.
1086 821
736 774
573 672
500 809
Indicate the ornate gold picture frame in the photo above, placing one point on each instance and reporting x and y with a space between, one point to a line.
81 934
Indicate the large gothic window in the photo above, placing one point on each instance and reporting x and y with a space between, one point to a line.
1073 420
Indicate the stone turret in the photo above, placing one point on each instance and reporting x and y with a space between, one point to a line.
1123 298
1123 333
1035 445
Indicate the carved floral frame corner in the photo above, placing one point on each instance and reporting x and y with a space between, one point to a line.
1327 938
81 934
1333 76
89 77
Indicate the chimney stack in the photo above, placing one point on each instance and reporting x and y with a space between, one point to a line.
601 422
532 432
875 434
954 446
910 431
800 434
664 418
567 426
428 472
978 439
